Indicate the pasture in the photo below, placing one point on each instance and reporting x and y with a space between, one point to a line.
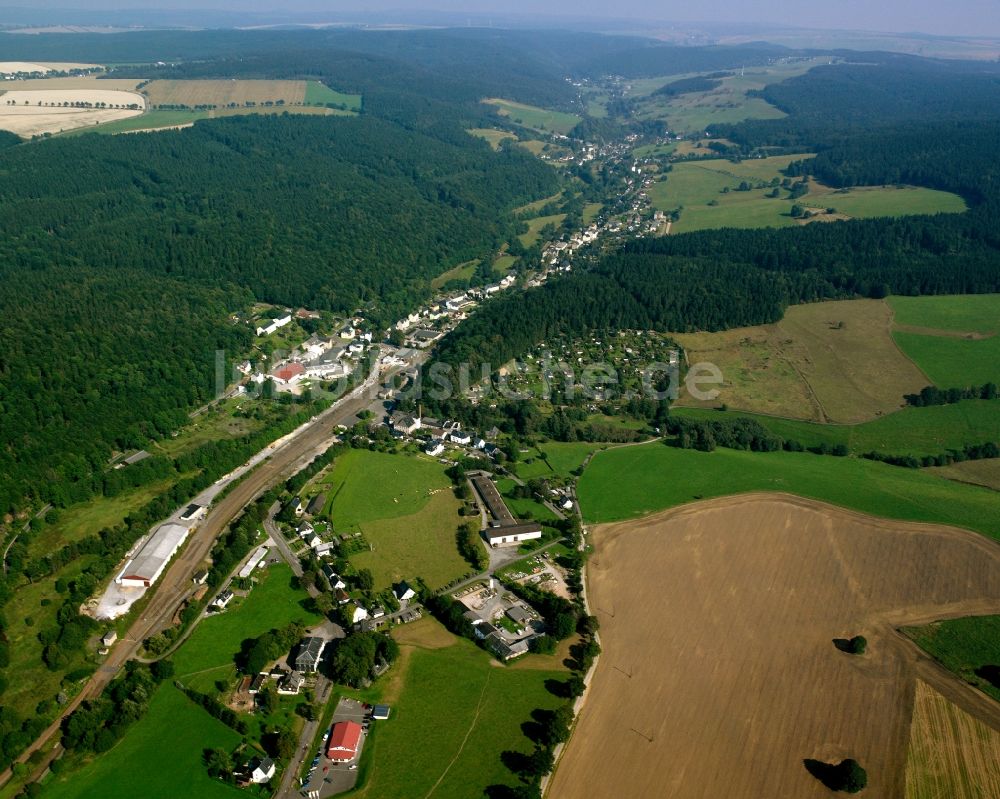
910 431
626 482
208 655
954 339
534 232
421 544
454 712
531 116
951 753
963 646
696 112
492 136
35 112
554 458
829 361
406 510
462 272
320 94
710 196
740 681
162 752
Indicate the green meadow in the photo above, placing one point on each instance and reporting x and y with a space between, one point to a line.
320 94
626 482
708 192
910 431
160 757
531 116
456 711
210 651
406 510
963 646
955 340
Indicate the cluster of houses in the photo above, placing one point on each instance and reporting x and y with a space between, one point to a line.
504 623
317 358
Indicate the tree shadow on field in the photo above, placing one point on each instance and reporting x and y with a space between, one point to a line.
558 688
517 762
990 673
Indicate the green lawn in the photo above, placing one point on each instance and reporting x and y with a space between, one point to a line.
555 458
492 135
523 508
273 603
504 263
364 486
421 544
533 117
535 227
910 431
954 340
692 186
632 481
320 94
160 757
963 646
454 716
464 272
961 313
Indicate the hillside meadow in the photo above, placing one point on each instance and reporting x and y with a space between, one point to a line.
626 482
713 194
955 340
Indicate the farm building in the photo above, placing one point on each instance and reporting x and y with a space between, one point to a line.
152 558
345 739
511 534
192 512
223 599
253 563
109 638
316 504
310 654
200 577
288 374
380 712
268 329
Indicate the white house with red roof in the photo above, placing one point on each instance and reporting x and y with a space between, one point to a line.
288 374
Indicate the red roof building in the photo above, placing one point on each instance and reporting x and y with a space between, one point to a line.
288 372
344 740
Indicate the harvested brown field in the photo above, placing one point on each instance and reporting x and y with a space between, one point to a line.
825 362
719 676
29 113
951 755
195 93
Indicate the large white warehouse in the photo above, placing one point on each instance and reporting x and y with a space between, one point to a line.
153 556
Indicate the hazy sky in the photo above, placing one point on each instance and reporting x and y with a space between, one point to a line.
954 17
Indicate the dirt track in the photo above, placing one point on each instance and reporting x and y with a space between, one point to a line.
719 675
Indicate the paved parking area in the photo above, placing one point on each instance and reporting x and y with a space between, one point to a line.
329 778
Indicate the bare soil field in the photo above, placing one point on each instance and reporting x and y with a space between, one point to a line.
194 93
60 84
719 676
825 362
15 67
29 113
951 754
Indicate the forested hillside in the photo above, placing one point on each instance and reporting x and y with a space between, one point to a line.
122 258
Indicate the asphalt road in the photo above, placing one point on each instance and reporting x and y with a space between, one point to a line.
175 585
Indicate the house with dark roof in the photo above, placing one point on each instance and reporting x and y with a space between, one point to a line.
310 654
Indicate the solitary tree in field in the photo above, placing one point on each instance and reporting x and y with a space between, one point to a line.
847 775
